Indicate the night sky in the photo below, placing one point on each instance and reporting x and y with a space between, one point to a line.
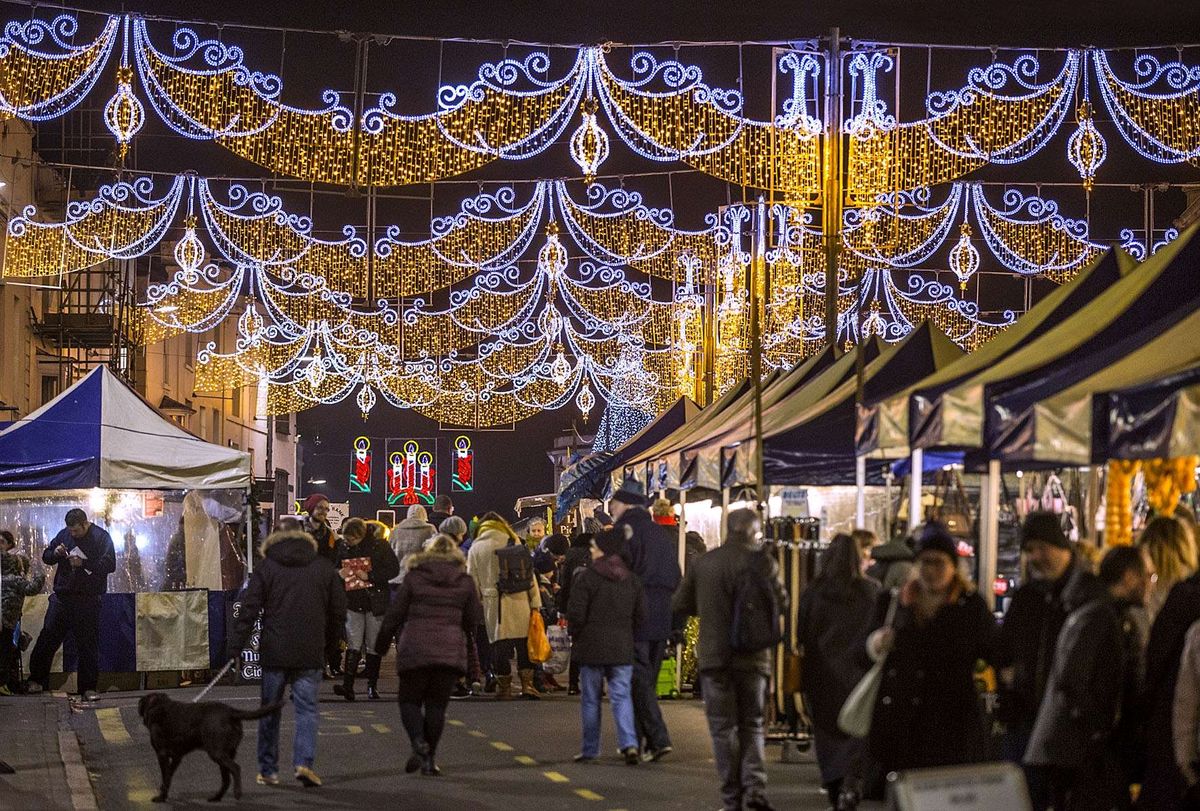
512 463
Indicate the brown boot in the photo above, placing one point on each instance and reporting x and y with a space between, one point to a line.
528 691
504 688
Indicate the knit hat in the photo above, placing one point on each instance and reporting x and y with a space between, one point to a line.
612 541
630 493
453 526
557 544
312 501
1044 526
935 537
418 512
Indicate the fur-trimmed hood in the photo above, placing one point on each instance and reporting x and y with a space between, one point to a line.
428 556
290 547
441 569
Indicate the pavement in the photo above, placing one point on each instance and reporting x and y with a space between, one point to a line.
494 755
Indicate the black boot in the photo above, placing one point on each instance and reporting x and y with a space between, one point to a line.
346 688
372 674
428 767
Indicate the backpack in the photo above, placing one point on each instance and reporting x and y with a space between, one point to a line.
756 624
516 569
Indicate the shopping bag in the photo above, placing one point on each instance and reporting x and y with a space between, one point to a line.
537 643
560 650
854 719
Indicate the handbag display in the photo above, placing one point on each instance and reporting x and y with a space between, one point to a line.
856 714
953 507
537 644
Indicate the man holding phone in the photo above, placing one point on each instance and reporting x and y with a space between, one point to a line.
84 556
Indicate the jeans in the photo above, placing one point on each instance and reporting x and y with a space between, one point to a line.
647 661
78 614
733 703
361 630
619 677
305 686
502 652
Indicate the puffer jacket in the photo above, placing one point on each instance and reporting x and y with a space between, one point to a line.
407 538
606 607
434 610
302 600
384 567
17 584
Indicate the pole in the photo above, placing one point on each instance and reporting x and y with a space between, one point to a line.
724 512
914 489
757 263
682 565
860 497
989 530
249 533
832 194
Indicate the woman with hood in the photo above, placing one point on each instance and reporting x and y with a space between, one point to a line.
835 612
927 712
606 608
409 537
506 606
435 609
366 603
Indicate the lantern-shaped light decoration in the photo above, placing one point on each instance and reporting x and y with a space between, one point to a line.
873 324
1086 148
250 323
560 369
124 115
366 400
189 251
552 258
964 258
589 143
314 373
585 400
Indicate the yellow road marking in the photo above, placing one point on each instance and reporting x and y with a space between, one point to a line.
454 722
525 760
112 728
475 733
337 729
556 777
588 794
383 729
502 746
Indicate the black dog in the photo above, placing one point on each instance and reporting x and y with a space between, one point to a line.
177 728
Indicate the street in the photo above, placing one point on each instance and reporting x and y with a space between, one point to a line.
493 755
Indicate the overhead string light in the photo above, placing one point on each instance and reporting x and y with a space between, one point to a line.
40 84
1158 113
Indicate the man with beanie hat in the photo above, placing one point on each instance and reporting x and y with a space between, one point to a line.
653 555
606 606
1060 579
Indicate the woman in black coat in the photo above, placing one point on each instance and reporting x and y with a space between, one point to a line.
366 603
928 711
435 608
834 615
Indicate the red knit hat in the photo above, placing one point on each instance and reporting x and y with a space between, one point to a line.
312 501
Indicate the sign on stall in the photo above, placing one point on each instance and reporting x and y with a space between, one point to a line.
978 787
249 667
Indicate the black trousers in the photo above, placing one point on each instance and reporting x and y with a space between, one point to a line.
424 694
502 651
9 658
78 615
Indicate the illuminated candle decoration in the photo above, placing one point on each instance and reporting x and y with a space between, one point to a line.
462 478
360 466
411 475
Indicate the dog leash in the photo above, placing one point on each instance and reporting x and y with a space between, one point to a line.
216 679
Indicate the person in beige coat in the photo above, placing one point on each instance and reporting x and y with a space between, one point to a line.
506 616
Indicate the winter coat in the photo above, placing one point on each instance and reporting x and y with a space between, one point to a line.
435 608
302 600
893 563
606 608
653 555
1077 721
92 577
1162 784
384 567
578 558
1185 721
17 583
175 564
927 712
831 625
326 538
506 616
407 538
708 592
1028 636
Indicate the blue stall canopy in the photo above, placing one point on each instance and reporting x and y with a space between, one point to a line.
101 433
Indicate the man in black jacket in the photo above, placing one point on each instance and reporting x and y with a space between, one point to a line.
84 556
653 555
302 600
1059 578
735 684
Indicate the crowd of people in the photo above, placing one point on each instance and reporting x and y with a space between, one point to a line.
1094 667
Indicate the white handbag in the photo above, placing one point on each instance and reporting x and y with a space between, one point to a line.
854 719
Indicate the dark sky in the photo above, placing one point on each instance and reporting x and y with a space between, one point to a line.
513 463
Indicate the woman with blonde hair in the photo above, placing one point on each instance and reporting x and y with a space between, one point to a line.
1172 548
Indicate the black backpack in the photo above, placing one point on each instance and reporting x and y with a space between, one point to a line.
516 569
756 621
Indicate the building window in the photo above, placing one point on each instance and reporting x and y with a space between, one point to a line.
283 424
216 426
203 422
49 388
235 405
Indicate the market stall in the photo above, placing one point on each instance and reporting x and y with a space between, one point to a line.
174 505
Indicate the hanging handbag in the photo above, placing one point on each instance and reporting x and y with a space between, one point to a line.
856 714
954 509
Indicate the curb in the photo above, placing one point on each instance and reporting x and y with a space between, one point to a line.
78 783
